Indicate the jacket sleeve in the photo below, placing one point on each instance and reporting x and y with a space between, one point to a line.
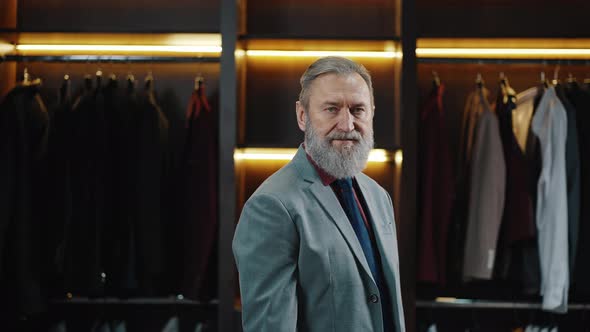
265 248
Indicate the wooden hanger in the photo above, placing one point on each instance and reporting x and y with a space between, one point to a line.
435 79
507 90
199 80
27 81
555 80
543 80
149 82
479 81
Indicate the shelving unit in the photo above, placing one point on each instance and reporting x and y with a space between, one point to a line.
459 40
174 40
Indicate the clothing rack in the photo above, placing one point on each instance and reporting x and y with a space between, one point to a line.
482 304
136 301
108 58
504 61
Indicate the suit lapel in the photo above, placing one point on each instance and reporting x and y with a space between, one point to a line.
381 222
381 225
326 197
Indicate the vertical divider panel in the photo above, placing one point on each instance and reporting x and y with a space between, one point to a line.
227 143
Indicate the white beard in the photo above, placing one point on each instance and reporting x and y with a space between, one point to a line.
341 162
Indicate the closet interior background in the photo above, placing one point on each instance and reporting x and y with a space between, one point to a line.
112 206
252 86
452 303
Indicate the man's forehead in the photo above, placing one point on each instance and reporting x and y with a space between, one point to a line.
335 84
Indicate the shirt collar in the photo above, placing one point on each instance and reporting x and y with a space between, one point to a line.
326 178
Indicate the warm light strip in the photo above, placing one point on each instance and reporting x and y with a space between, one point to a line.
121 48
6 48
353 54
502 52
453 300
376 155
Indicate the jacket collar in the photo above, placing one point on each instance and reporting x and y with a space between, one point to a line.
328 200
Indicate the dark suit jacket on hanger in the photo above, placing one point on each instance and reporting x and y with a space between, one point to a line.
23 142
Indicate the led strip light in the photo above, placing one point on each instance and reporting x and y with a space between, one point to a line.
424 52
277 154
352 54
120 48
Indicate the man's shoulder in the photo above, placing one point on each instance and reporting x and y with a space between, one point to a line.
283 183
368 182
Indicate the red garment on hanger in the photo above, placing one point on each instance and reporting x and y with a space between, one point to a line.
436 190
201 189
197 102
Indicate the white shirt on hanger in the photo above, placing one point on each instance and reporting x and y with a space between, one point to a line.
550 125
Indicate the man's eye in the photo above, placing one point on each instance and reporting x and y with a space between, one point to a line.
332 109
358 110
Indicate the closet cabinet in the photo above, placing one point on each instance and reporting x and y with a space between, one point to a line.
172 28
275 44
459 41
253 84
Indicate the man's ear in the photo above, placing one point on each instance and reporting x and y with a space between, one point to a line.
301 115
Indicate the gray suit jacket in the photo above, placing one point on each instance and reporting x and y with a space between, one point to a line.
301 265
487 184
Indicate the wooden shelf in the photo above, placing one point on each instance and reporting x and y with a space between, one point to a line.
482 304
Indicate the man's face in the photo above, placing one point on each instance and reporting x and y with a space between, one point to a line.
338 124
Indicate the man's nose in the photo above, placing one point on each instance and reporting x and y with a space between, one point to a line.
345 120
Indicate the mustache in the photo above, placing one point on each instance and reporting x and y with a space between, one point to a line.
353 135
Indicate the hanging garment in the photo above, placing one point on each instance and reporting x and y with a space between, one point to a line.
59 216
436 190
24 127
580 99
150 172
525 266
522 115
432 328
126 119
140 130
119 110
518 217
487 179
84 268
172 325
201 169
550 125
457 230
518 229
572 165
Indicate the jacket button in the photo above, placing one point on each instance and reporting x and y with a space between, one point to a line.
373 298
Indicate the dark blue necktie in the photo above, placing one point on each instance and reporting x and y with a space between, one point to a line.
358 224
353 213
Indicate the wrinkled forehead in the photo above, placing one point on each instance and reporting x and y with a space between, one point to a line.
342 87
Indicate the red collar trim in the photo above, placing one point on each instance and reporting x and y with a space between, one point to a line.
326 178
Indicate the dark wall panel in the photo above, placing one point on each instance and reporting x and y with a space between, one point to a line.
119 16
503 18
272 88
327 18
8 14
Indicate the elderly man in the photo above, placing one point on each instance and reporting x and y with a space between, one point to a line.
316 245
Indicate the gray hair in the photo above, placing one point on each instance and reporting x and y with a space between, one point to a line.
331 65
